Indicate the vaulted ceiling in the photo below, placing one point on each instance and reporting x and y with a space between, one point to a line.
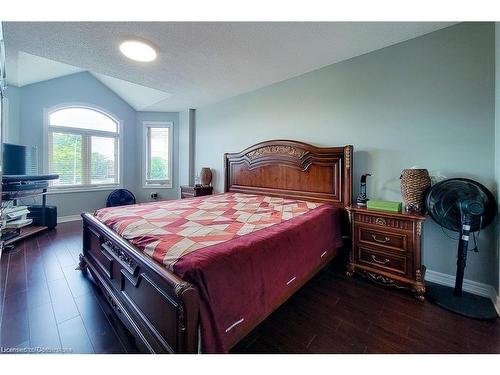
198 62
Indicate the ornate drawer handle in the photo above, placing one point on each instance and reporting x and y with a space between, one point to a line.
376 239
126 261
380 221
385 261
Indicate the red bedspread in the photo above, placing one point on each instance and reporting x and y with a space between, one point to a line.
243 252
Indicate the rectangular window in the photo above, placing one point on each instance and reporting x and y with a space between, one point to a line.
83 149
158 154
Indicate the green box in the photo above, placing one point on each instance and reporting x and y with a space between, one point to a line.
374 204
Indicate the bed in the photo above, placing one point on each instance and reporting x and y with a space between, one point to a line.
197 275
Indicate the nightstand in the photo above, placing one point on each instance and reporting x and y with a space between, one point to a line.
195 191
386 248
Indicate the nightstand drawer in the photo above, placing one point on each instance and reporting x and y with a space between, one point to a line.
188 189
397 242
383 221
384 261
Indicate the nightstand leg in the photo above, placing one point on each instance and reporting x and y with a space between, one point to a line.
419 292
349 270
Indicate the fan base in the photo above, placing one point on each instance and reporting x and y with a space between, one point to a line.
469 305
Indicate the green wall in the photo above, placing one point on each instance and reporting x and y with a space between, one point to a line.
12 113
428 101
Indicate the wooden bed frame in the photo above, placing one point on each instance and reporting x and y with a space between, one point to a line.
161 310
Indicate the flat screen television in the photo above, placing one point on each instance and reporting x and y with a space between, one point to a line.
19 160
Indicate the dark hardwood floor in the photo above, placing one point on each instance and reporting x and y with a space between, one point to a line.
46 303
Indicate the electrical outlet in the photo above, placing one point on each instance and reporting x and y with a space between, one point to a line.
154 195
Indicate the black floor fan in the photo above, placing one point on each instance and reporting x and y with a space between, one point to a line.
120 197
464 206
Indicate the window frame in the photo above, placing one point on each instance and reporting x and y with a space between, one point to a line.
167 184
48 130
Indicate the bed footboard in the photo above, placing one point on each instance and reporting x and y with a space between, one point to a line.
158 308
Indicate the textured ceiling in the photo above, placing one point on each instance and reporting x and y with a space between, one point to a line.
201 63
24 68
139 97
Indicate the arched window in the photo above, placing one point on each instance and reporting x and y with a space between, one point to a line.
83 145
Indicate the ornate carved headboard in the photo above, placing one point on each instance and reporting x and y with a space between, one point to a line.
292 169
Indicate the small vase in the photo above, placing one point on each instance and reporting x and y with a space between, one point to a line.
414 186
206 176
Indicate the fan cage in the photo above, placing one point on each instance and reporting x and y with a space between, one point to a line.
443 206
120 197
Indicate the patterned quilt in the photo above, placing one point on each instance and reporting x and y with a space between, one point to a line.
167 231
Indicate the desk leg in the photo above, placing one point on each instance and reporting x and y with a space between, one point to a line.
44 204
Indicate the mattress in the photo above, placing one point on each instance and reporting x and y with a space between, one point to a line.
243 252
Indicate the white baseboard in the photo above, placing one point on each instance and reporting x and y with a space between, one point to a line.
480 289
66 219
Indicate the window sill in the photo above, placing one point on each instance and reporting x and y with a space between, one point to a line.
157 186
82 189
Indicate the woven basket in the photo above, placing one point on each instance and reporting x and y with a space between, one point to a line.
414 185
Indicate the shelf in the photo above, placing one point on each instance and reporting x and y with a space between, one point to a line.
25 232
15 195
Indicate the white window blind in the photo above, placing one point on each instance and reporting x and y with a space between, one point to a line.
83 148
158 154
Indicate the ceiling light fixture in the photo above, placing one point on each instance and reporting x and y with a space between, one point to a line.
138 50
